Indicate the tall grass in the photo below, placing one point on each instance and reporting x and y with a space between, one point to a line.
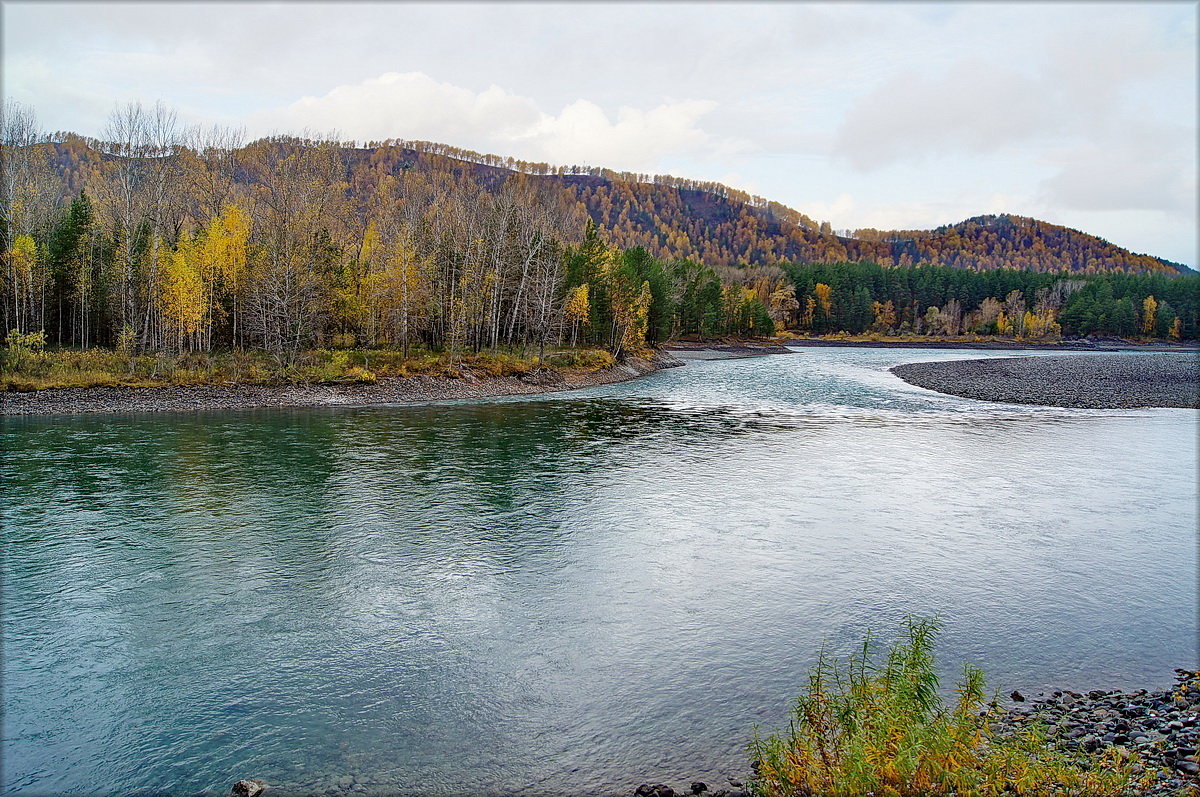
875 724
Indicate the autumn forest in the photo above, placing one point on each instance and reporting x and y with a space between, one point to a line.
166 238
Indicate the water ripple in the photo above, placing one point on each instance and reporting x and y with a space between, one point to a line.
564 593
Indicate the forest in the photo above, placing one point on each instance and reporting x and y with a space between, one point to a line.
166 238
940 300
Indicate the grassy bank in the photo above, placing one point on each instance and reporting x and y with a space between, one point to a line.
31 368
874 724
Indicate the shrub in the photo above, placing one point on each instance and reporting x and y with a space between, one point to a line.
582 359
872 727
22 348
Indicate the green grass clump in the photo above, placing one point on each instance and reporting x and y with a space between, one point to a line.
875 725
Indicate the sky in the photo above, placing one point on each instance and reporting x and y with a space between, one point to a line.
886 115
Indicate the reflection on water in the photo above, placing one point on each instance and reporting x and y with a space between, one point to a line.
570 593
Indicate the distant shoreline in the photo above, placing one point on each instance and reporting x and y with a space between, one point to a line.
398 390
1103 345
1089 382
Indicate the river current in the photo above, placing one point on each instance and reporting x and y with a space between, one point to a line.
569 593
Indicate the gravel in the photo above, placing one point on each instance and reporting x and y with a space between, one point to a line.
1094 381
1160 729
406 390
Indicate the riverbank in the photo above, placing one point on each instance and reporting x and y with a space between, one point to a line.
1086 381
1159 729
415 389
994 344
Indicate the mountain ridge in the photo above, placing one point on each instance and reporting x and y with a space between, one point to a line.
680 218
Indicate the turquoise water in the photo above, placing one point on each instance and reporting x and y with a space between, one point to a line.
572 593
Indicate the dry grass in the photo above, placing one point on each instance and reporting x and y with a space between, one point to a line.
28 369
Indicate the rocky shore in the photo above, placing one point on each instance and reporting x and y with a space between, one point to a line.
725 351
1158 728
405 390
1100 381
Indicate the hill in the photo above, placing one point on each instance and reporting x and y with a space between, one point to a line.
162 241
703 221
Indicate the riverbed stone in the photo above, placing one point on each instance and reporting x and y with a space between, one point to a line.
248 788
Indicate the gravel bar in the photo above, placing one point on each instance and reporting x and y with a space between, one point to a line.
402 390
1092 381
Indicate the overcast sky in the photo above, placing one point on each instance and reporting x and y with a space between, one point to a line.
864 115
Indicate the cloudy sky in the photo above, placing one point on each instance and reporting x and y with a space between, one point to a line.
864 115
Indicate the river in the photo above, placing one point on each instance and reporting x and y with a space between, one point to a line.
568 593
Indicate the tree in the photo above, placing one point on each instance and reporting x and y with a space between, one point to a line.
823 318
577 309
223 257
184 295
884 316
1149 315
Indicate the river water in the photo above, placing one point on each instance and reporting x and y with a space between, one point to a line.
570 593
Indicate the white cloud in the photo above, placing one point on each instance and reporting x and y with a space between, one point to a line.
1084 110
1151 167
975 106
838 210
413 105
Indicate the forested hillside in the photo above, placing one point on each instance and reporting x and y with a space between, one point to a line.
160 238
703 221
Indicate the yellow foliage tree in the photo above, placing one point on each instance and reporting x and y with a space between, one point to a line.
639 319
22 262
577 310
1149 315
184 296
222 257
824 292
395 292
885 315
806 317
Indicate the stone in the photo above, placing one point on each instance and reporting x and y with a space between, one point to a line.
699 787
248 788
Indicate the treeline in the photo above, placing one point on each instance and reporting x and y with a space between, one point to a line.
164 239
939 300
673 218
161 238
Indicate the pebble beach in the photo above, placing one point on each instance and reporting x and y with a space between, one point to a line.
1093 381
